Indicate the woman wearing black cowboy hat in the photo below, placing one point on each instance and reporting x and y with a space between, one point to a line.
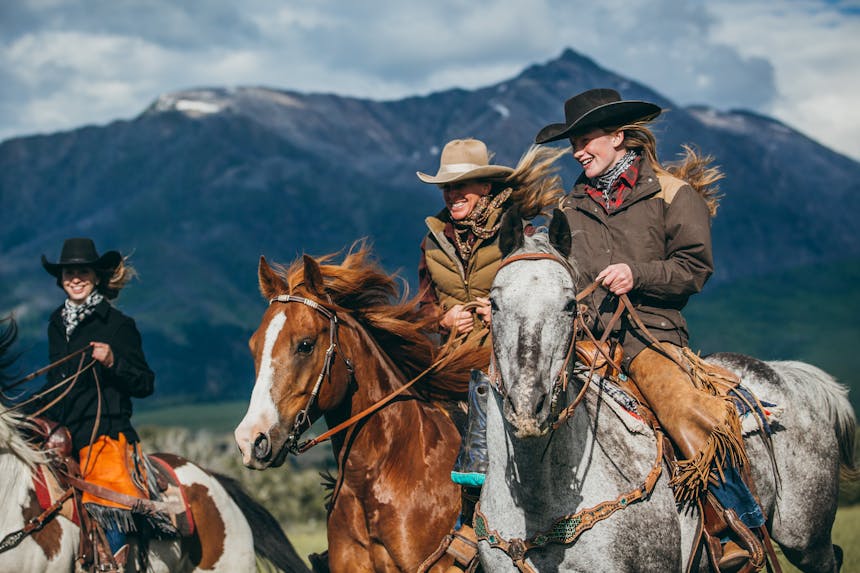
97 409
644 230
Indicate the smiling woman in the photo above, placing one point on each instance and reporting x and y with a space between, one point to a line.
459 258
96 406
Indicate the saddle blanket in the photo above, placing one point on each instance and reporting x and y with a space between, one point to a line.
753 418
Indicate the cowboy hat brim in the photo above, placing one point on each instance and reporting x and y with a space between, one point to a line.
447 175
107 261
612 114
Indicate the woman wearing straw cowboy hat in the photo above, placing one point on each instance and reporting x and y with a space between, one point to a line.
644 230
97 409
459 259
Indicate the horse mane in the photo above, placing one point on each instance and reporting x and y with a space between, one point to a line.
12 422
359 287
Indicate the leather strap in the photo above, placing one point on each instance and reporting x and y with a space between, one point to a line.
13 539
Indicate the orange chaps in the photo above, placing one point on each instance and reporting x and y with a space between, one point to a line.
111 464
703 425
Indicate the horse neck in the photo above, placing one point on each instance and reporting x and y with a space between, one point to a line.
376 375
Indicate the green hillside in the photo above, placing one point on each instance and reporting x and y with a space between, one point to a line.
810 314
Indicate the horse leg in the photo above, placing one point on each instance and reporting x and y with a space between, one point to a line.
348 539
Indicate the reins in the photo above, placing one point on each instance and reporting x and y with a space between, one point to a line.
292 440
568 528
73 378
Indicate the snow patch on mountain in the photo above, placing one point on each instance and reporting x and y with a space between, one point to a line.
192 103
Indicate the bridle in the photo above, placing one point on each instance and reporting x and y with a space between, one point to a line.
559 384
568 528
303 419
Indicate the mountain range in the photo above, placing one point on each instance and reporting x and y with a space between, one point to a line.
204 181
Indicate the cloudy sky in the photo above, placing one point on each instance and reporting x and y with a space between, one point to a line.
68 63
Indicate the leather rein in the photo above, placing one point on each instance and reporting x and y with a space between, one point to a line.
568 528
303 419
559 384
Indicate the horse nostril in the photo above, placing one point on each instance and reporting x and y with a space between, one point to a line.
539 407
262 449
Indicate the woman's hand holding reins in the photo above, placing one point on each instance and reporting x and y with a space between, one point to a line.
103 353
618 278
457 320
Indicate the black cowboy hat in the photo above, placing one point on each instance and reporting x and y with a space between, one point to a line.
82 252
597 108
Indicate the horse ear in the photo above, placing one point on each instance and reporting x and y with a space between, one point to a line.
559 232
313 277
511 232
271 285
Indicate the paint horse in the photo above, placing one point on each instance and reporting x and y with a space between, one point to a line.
224 539
333 344
588 494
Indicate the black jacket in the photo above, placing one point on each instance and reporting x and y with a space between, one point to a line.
129 376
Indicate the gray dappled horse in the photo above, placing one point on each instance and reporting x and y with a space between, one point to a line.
602 453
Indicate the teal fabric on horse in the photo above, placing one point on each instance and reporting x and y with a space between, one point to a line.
471 465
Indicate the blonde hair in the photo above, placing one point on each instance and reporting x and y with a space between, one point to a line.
693 168
535 184
113 281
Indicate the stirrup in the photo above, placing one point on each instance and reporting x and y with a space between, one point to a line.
745 549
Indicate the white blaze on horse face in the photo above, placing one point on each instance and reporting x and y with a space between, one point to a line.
262 412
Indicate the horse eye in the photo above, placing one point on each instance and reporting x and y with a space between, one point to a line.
306 346
493 306
570 307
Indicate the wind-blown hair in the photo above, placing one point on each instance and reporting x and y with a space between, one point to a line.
695 169
360 288
535 183
113 280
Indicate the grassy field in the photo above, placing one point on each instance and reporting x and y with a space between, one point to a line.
846 534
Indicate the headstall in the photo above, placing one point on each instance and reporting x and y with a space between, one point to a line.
303 419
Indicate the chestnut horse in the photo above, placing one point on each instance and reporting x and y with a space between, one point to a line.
224 539
333 343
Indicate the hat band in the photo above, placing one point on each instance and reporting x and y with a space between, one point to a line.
459 167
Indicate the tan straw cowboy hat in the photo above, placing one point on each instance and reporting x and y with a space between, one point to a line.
464 159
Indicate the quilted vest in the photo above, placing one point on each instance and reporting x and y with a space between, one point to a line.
454 283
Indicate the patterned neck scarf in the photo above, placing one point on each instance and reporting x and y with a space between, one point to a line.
605 183
467 231
73 314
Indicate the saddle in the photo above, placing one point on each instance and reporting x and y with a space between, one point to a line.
716 521
60 487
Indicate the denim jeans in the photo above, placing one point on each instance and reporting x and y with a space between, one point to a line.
116 538
734 494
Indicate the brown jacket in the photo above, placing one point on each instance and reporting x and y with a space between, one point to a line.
662 231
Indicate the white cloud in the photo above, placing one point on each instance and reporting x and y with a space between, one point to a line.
814 49
67 64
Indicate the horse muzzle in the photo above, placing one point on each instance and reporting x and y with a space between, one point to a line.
261 449
529 414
